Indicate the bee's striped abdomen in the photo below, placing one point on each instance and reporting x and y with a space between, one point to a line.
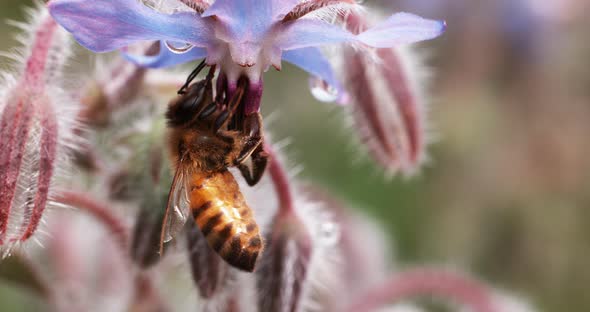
225 219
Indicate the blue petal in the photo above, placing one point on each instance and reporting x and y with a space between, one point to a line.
106 25
402 28
247 20
244 10
313 61
240 9
166 57
308 33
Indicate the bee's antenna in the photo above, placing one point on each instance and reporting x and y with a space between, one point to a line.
192 77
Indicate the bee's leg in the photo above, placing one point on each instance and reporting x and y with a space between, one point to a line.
254 148
228 136
259 159
252 131
192 77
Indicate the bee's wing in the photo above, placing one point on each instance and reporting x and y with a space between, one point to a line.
177 210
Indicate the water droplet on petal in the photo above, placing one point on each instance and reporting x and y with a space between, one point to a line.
322 91
179 47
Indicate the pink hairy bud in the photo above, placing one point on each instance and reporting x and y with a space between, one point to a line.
146 238
35 127
282 274
209 271
388 109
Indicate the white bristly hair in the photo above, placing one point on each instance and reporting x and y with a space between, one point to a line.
54 100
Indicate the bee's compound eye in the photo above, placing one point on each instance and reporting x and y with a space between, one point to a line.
187 104
193 100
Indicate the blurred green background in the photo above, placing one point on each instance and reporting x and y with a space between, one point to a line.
507 193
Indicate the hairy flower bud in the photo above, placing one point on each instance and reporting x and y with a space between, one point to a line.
35 130
89 270
114 88
365 257
209 271
144 180
387 106
145 242
300 243
283 271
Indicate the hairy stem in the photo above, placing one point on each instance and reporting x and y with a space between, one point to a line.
85 202
147 297
35 68
280 179
427 282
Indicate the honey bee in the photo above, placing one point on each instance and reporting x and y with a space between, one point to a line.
207 137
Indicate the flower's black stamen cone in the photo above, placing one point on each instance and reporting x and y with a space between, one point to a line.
232 105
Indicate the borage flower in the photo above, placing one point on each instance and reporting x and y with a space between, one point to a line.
242 37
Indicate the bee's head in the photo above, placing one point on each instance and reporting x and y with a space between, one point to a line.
185 107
